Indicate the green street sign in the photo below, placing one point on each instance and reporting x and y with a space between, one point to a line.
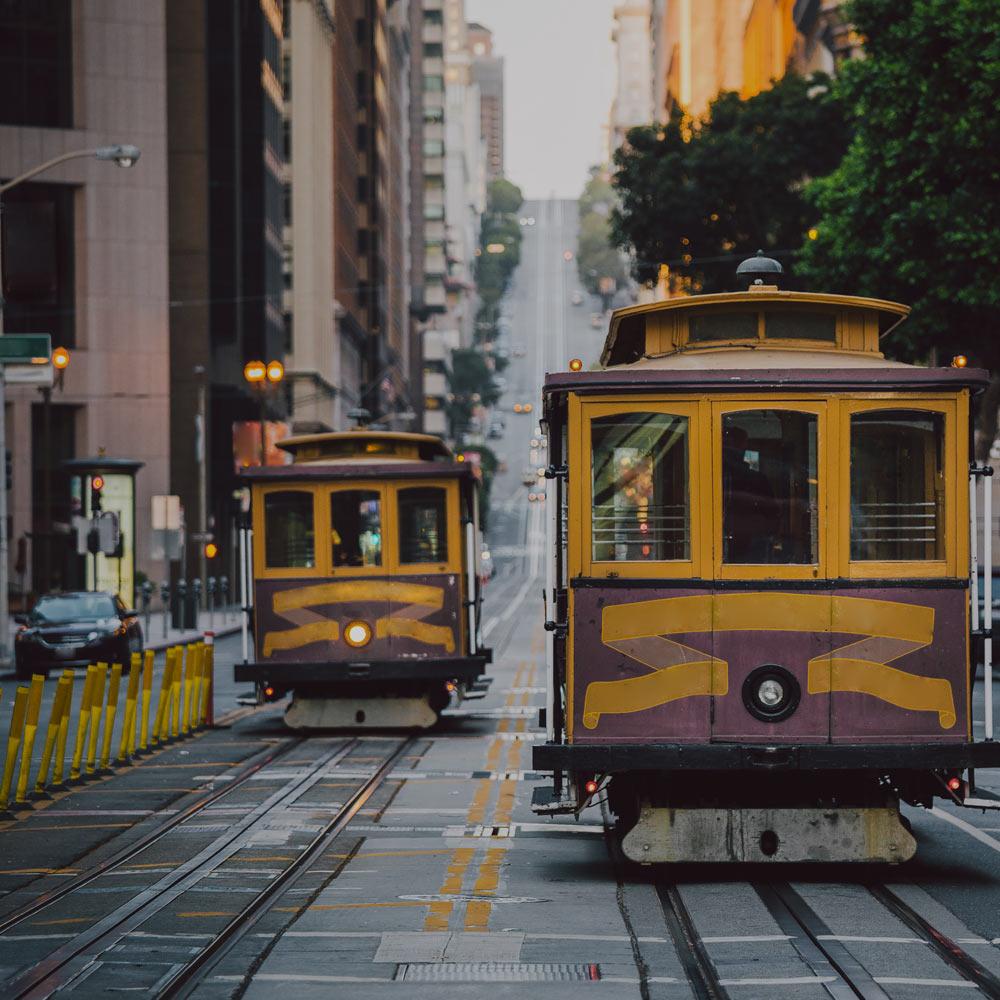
25 349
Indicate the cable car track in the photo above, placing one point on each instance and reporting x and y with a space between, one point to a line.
60 968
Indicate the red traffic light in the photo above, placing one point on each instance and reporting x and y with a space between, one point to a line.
97 482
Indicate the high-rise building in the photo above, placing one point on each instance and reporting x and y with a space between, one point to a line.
226 139
633 97
84 260
487 74
701 47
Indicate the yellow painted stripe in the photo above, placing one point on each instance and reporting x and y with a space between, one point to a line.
359 590
302 635
410 628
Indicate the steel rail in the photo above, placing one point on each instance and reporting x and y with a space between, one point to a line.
42 979
259 760
959 959
698 967
185 979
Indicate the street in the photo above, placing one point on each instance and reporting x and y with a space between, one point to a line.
387 863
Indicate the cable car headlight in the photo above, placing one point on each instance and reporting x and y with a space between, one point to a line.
358 634
771 693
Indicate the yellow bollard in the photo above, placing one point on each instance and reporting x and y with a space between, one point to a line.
50 737
186 689
96 707
175 693
83 724
13 743
194 719
147 697
208 684
164 700
110 711
57 773
35 693
127 742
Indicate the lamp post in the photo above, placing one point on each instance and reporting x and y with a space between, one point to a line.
60 362
261 378
123 156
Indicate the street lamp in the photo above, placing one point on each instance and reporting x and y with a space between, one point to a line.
60 361
261 378
123 156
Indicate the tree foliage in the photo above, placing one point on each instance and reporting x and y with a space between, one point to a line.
504 196
596 254
699 195
913 210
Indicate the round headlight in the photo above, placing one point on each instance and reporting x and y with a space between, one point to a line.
357 634
771 693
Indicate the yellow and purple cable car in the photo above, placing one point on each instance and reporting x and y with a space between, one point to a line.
763 607
365 583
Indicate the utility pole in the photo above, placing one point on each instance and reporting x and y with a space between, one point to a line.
201 456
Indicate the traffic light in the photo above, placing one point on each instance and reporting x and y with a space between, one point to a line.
96 485
9 469
211 550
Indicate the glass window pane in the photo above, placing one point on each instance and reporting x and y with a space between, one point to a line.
640 487
788 324
722 326
288 530
769 488
423 532
355 528
897 485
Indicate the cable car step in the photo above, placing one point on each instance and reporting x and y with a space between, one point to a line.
545 803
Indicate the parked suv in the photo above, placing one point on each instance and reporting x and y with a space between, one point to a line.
74 630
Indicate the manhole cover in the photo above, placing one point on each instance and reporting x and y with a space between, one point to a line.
496 972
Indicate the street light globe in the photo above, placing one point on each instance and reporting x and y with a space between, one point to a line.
123 155
60 358
275 371
254 372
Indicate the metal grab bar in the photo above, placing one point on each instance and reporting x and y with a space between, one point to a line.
985 473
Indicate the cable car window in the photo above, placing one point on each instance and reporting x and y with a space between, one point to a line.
897 485
640 487
792 324
355 528
423 530
722 326
288 530
769 488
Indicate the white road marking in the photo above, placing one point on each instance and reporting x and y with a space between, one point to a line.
739 938
34 937
592 937
972 831
870 940
786 981
324 934
962 984
275 977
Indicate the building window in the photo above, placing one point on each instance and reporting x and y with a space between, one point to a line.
433 212
38 271
433 17
433 147
36 66
433 50
433 84
433 116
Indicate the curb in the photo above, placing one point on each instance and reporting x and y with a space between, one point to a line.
192 636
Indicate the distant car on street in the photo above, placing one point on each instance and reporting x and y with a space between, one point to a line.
576 297
596 320
528 476
519 351
487 568
527 220
75 629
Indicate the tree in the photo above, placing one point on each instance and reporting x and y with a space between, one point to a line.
699 195
596 254
913 211
504 197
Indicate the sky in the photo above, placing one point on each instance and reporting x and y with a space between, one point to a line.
558 87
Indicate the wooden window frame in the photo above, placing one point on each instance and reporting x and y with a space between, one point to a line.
261 570
956 538
582 415
772 571
368 486
454 563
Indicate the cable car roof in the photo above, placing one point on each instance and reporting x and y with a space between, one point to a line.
365 445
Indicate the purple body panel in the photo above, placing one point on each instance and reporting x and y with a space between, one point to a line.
433 621
840 716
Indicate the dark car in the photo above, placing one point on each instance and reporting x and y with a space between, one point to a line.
74 630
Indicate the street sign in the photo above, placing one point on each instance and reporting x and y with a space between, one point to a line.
25 349
40 375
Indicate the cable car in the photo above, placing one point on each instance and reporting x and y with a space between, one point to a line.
365 580
760 603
